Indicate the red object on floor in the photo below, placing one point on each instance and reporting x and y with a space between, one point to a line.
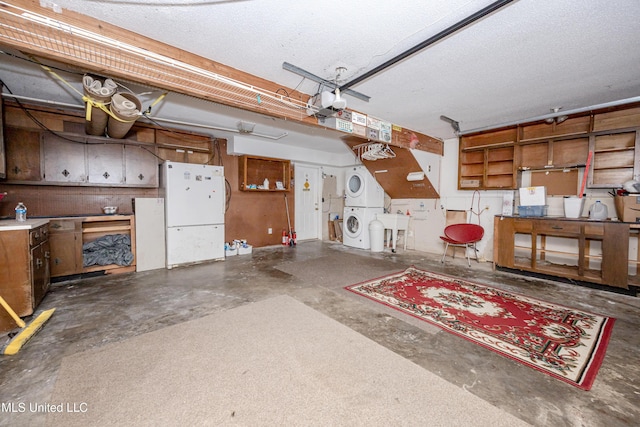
563 342
285 238
466 235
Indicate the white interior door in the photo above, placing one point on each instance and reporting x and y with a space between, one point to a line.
307 209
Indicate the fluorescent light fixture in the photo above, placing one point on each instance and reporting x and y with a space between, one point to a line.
246 127
415 176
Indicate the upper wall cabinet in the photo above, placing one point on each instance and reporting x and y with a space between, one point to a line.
89 161
23 154
64 161
491 160
140 166
487 161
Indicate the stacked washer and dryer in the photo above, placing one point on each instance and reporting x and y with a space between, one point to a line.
364 199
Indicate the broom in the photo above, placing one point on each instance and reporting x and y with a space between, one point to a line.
27 331
291 239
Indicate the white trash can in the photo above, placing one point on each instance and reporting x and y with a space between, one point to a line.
376 235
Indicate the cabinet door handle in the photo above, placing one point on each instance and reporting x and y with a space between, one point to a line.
39 263
556 227
47 254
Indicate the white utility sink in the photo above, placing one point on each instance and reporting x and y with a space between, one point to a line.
392 223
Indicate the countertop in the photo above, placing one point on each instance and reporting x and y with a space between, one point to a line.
30 223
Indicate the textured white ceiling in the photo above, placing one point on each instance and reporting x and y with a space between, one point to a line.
518 63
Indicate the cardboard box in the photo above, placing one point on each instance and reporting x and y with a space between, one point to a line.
533 196
628 208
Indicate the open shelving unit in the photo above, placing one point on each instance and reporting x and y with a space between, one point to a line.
254 170
69 234
493 159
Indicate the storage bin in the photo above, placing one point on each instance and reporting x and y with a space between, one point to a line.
231 252
242 250
538 210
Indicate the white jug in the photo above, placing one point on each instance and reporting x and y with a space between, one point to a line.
598 211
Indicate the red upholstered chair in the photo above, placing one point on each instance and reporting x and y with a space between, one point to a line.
465 235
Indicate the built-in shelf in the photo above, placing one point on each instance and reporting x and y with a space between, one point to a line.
255 170
612 136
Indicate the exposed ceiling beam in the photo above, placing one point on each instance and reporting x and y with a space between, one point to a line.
105 49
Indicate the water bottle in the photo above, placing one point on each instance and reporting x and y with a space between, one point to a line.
21 212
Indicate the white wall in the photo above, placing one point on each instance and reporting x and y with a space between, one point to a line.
429 215
239 145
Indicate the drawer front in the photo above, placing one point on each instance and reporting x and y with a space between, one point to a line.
38 235
64 225
561 227
522 225
594 228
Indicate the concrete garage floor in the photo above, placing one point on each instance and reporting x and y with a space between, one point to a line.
92 312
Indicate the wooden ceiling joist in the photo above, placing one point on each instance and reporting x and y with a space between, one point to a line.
98 47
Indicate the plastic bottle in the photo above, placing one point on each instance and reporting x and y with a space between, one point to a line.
21 212
598 211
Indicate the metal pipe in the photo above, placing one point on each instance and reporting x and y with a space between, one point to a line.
554 115
431 40
44 101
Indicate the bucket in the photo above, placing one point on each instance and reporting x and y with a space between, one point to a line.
573 206
126 107
376 235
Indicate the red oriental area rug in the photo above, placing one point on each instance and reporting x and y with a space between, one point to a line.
563 342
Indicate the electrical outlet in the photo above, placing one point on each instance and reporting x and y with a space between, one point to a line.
269 230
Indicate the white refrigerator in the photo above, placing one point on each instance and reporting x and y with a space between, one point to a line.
194 212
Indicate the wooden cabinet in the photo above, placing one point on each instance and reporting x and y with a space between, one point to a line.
94 227
487 161
141 167
615 158
65 239
23 154
64 161
25 275
254 170
35 158
68 235
105 163
493 159
589 251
